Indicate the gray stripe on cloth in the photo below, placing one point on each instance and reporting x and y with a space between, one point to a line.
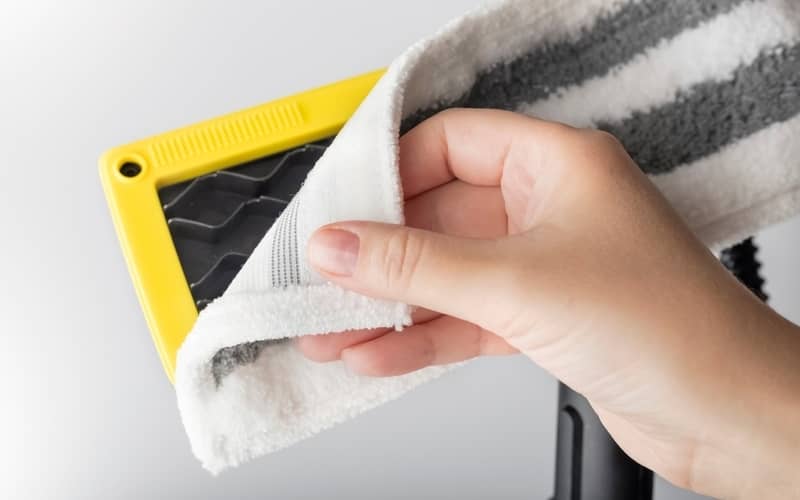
711 115
611 41
228 358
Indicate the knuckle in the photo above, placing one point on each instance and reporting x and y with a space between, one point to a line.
562 131
605 140
401 254
455 111
607 160
598 147
561 137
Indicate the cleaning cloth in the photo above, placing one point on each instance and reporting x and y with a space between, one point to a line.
704 95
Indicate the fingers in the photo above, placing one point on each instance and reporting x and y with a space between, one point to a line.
452 274
441 341
469 144
329 347
456 208
435 271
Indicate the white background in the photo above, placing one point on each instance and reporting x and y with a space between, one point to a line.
86 411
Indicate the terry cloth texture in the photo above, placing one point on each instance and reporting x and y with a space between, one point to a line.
705 95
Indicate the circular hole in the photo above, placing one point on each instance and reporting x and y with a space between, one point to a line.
130 169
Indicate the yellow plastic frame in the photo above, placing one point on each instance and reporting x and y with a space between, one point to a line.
190 152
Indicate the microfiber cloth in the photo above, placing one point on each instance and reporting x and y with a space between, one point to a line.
705 95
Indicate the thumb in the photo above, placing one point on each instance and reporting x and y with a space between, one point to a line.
446 274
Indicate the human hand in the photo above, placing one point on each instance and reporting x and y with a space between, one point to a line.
534 237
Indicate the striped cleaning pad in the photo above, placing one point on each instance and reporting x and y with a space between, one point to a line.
705 95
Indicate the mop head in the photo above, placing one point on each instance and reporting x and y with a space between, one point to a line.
704 95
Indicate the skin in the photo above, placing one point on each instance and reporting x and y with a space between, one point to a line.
534 237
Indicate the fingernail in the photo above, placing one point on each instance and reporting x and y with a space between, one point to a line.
334 251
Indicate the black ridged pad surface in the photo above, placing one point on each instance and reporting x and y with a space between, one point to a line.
217 220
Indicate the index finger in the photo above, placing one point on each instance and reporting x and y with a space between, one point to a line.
469 144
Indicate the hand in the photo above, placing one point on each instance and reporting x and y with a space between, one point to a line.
534 237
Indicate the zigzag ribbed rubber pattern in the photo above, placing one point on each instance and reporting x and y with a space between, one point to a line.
217 220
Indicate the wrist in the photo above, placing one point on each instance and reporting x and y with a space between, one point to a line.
755 451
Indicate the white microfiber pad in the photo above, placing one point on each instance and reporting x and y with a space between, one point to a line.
705 95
